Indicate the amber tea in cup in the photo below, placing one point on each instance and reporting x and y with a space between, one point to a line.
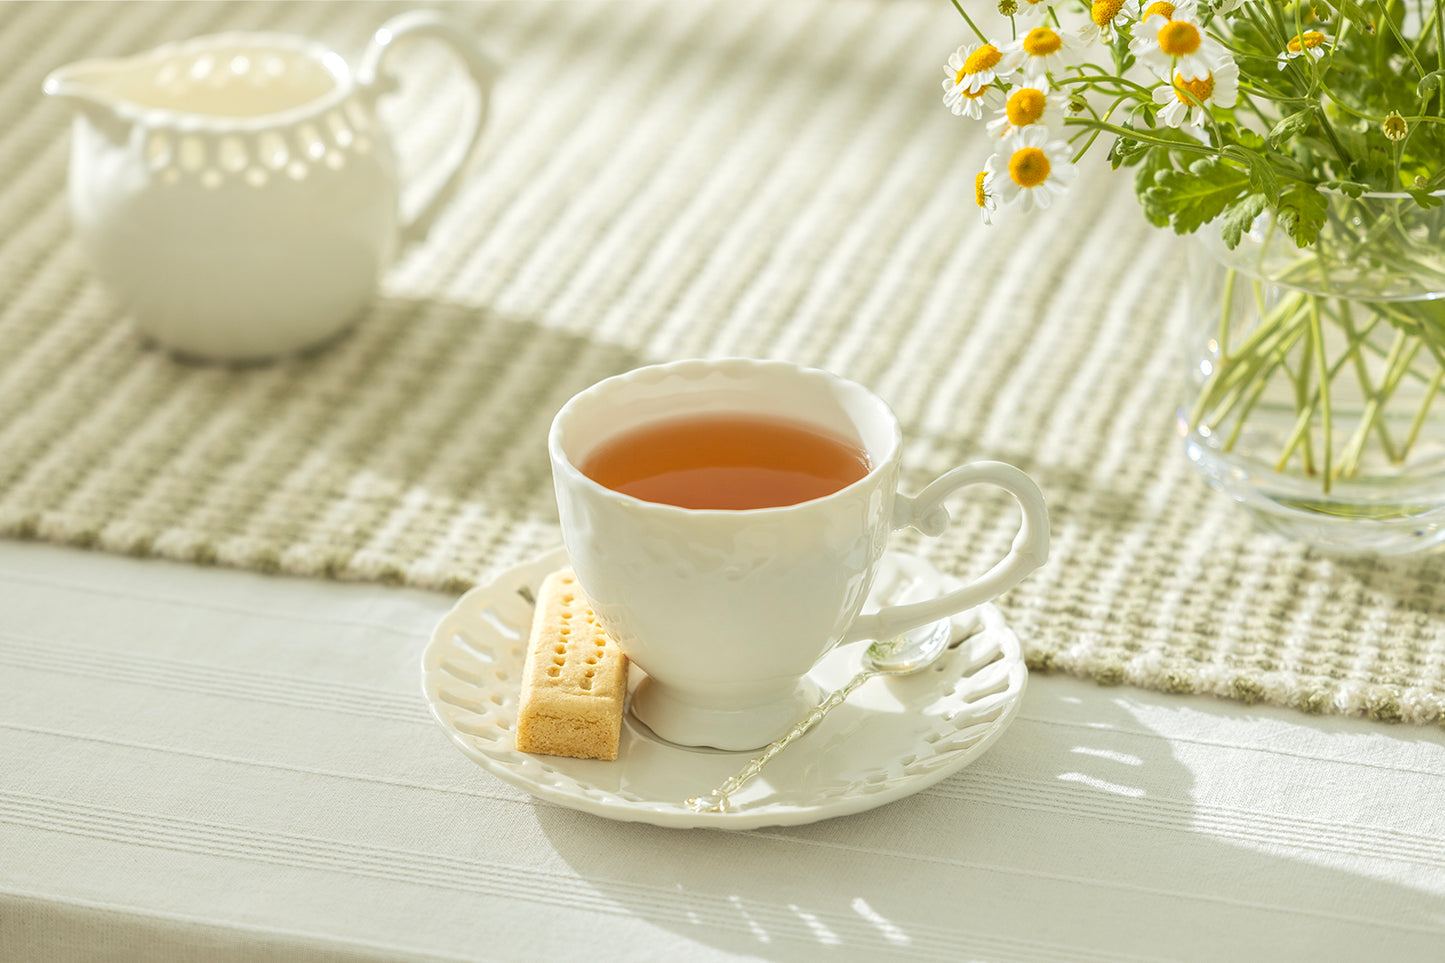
724 610
732 461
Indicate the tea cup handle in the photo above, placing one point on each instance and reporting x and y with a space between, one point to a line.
927 513
427 24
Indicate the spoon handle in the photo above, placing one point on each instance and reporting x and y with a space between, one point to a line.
717 800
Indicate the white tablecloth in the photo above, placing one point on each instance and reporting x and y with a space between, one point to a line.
204 763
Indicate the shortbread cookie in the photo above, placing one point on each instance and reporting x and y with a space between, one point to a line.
574 679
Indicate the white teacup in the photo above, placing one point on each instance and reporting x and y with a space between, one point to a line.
727 610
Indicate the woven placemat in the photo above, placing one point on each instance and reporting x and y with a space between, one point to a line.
663 180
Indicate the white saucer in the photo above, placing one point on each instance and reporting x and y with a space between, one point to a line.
891 738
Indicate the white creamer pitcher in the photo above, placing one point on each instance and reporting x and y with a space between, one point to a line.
236 192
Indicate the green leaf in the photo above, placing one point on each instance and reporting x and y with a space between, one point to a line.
1262 178
1289 125
1347 188
1429 84
1426 199
1187 199
1248 139
1125 151
1239 217
1301 211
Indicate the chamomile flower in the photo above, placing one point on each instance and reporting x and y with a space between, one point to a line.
1395 127
1310 44
983 195
1186 99
1105 17
1175 44
1183 10
972 103
972 67
1036 52
1030 170
1026 105
1030 12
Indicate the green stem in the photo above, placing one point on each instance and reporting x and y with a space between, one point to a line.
1228 301
1362 375
1419 422
1254 395
1318 333
1142 136
1259 367
969 20
1400 357
1248 358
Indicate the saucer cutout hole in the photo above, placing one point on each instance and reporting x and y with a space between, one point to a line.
554 672
477 652
496 699
477 729
998 686
586 684
560 650
461 671
592 660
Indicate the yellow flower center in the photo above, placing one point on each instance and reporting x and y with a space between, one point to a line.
1306 41
1179 38
1395 126
1025 106
974 94
984 58
1041 41
1201 89
1103 12
980 196
1029 167
1163 7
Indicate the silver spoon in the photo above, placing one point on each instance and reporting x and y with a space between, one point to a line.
904 654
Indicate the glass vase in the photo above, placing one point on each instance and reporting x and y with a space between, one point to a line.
1315 387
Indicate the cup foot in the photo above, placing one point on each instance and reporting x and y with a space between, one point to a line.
671 715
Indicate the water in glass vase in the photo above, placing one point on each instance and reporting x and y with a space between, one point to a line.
1315 393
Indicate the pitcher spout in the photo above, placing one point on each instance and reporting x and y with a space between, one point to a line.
84 87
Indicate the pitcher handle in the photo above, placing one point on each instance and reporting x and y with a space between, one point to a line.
427 24
927 513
